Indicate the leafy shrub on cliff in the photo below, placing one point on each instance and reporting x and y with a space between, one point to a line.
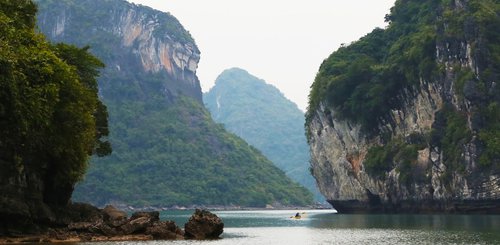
51 119
398 153
379 160
490 135
450 133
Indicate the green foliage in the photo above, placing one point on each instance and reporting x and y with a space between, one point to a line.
171 27
368 75
408 168
378 161
92 18
181 158
166 148
490 135
87 67
260 114
450 133
477 24
47 122
399 154
363 84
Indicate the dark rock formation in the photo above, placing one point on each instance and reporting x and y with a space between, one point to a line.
166 230
203 225
87 223
116 222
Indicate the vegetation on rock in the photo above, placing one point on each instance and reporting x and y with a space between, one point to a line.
366 81
368 75
259 113
176 155
51 119
166 149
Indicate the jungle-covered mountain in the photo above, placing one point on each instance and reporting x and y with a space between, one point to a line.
166 148
51 120
259 113
407 118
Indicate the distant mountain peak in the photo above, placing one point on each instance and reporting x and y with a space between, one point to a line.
260 113
166 148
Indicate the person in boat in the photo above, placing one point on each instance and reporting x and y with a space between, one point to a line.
297 216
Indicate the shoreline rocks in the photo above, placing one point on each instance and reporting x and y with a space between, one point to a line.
203 225
111 224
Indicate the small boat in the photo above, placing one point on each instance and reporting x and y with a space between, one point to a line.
298 215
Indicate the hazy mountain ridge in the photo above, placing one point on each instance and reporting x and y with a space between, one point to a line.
259 113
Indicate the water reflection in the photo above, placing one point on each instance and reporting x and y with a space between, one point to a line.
426 222
326 227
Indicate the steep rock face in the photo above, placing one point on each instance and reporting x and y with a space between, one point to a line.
429 177
155 40
166 148
22 202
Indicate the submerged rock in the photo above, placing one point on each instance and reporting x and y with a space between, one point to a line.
203 225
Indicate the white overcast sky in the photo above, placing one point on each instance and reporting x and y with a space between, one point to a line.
281 41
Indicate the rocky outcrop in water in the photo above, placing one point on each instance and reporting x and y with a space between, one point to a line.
115 223
203 225
433 150
82 222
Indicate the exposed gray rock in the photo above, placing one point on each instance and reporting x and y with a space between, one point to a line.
140 32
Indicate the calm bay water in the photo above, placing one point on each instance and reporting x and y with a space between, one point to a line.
327 227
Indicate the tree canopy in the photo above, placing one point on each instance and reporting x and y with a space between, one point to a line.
51 119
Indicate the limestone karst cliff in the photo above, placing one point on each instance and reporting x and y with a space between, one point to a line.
407 118
167 150
155 41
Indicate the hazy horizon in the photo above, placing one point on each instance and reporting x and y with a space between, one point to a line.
282 42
